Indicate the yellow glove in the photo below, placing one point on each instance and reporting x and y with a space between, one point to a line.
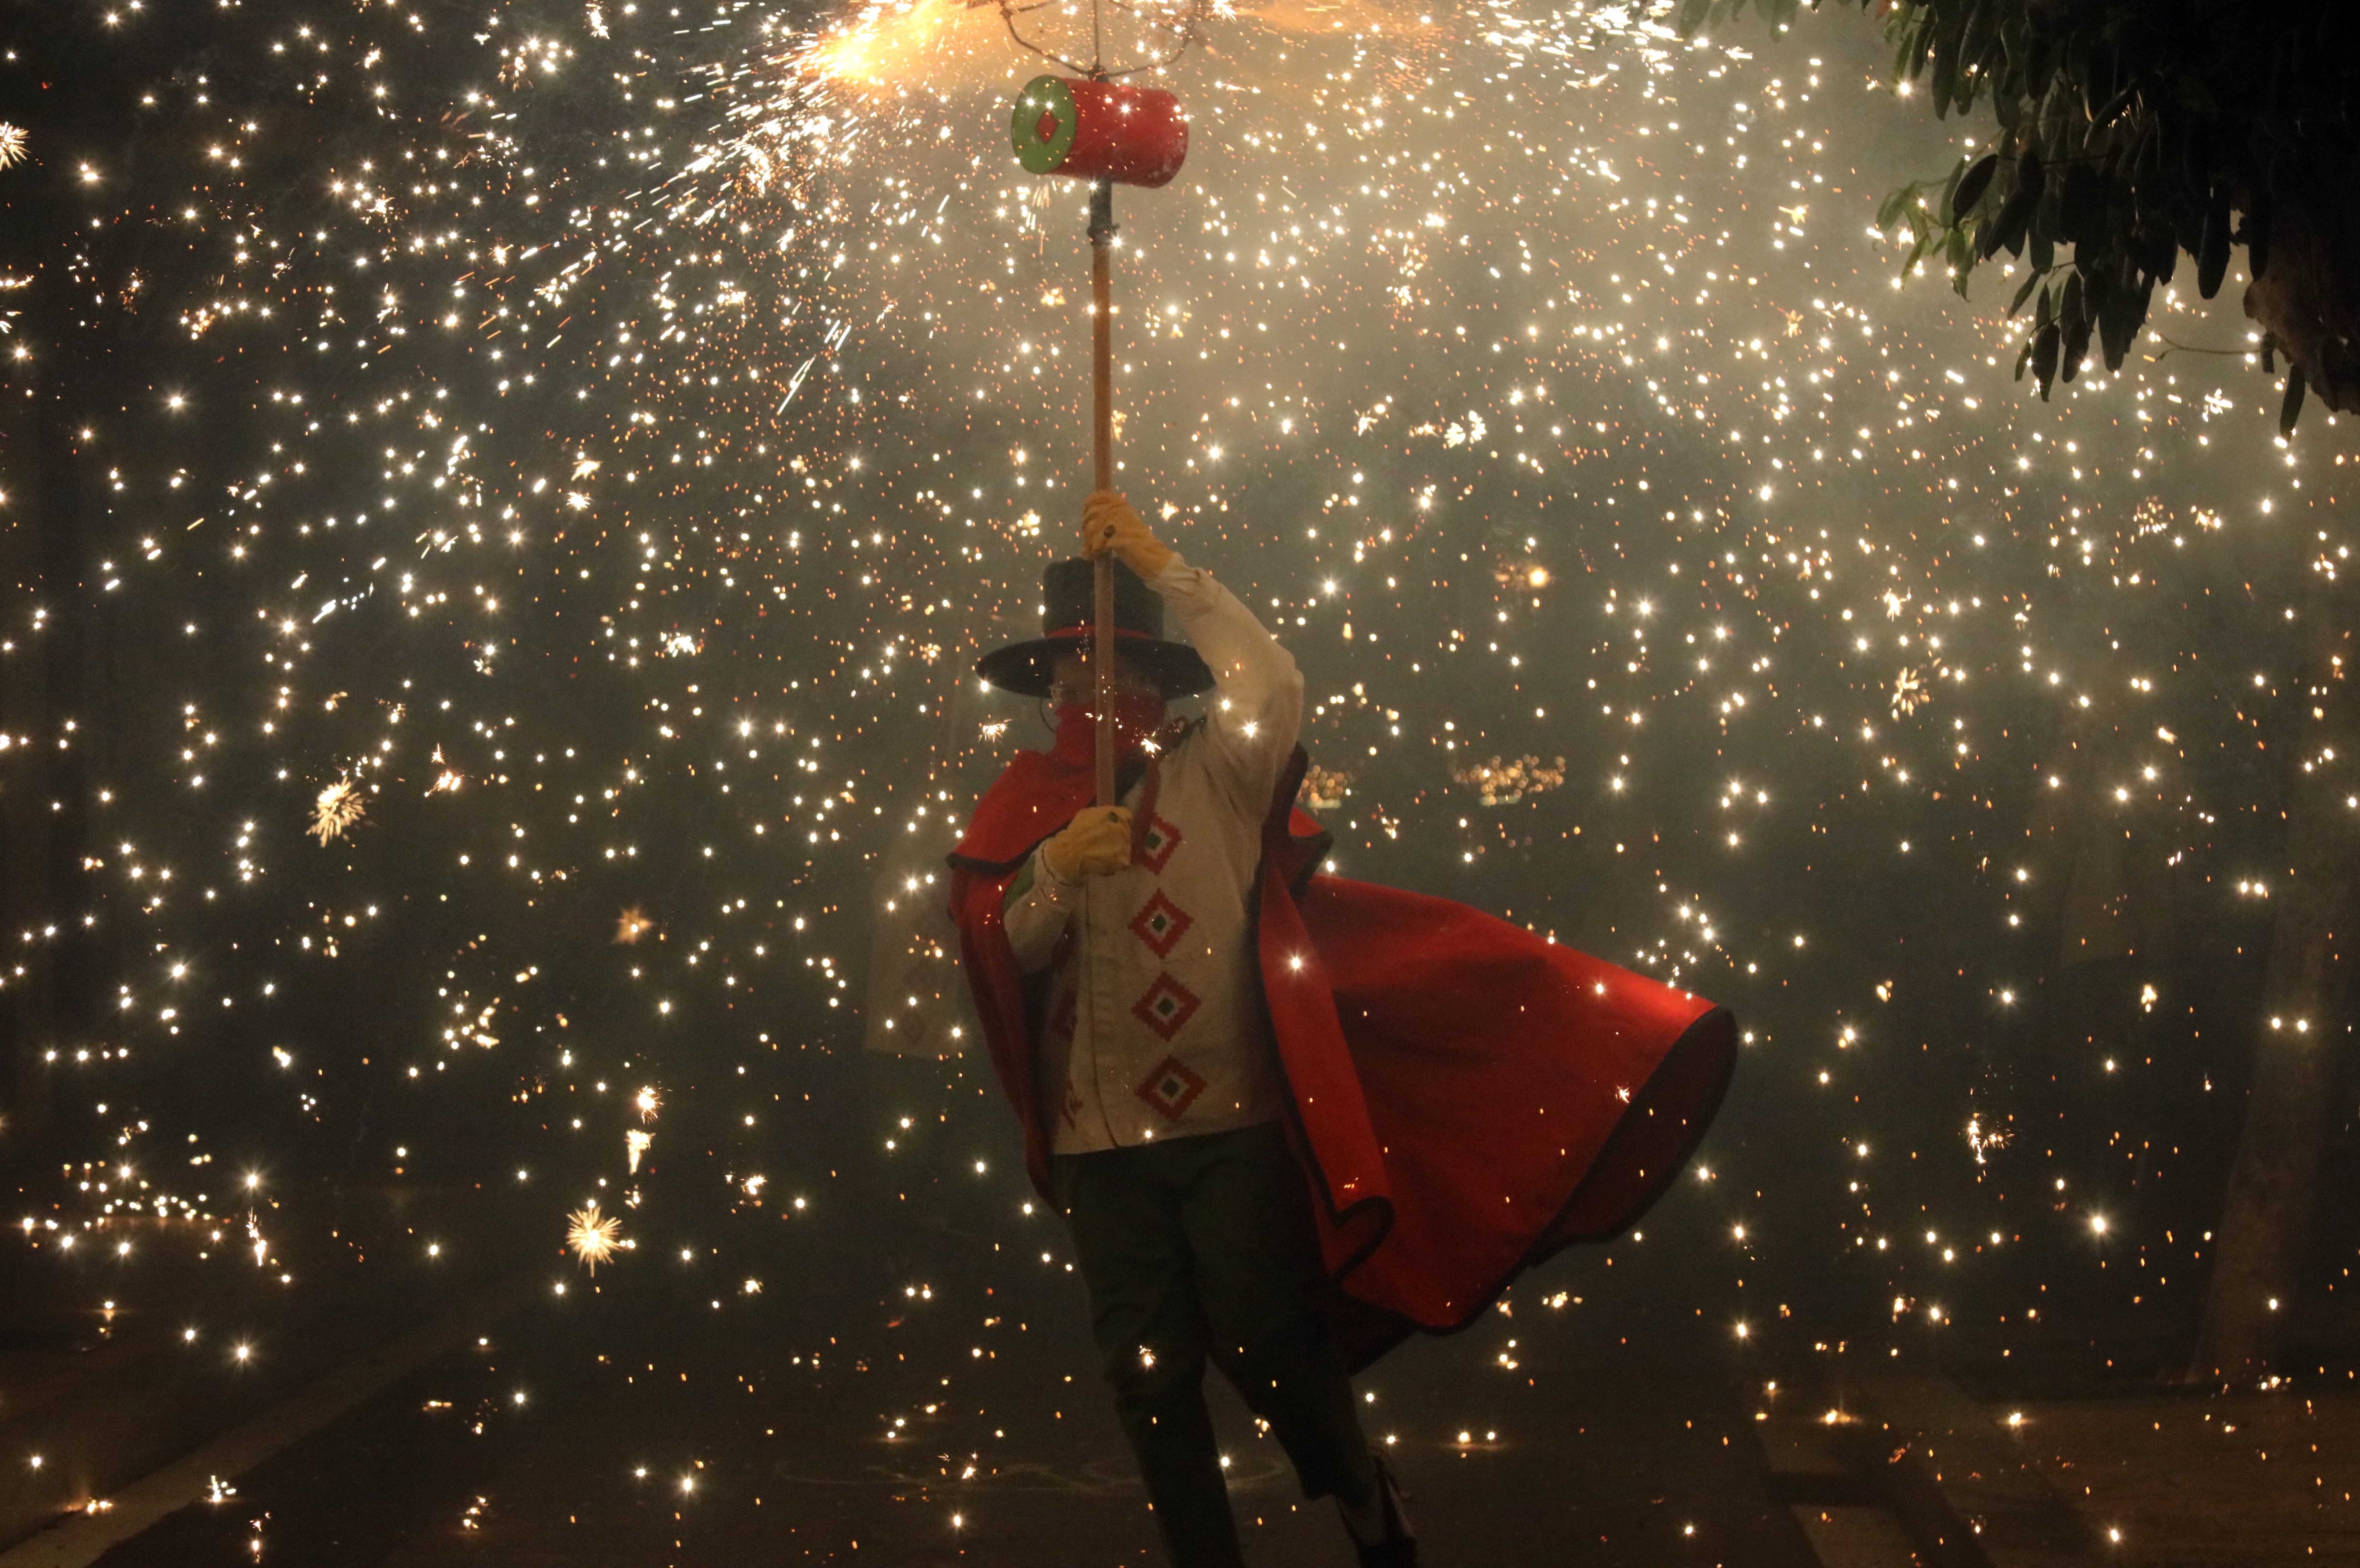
1110 524
1097 841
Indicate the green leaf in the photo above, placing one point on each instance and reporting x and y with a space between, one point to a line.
1967 191
1916 252
2024 292
2045 343
2213 254
1975 42
2291 410
2115 105
2077 66
2076 345
1943 209
2008 83
2120 307
2007 229
1923 45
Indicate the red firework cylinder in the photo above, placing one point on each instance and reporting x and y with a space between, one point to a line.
1099 130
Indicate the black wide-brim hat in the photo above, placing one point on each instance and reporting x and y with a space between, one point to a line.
1069 608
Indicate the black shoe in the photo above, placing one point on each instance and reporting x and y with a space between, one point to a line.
1399 1546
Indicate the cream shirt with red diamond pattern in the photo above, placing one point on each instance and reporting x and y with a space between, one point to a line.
1154 1026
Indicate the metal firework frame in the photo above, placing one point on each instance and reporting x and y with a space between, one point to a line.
1182 23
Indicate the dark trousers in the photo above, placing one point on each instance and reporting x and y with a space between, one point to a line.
1203 1248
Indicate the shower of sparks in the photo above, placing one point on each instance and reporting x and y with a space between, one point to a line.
1324 788
646 422
648 1101
339 806
1504 782
1514 571
592 1236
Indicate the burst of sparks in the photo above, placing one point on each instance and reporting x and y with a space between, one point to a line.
665 413
1503 782
592 1236
339 806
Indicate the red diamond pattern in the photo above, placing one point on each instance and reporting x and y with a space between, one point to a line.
1170 1086
1071 1108
1161 923
1166 1006
1156 843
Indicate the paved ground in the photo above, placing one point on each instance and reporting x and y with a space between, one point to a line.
1614 1429
1610 1418
2192 1482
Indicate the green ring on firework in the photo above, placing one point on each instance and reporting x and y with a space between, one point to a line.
1042 124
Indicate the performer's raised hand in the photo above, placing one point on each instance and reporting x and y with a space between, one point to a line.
1095 842
1108 523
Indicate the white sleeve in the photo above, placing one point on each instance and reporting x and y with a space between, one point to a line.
1256 710
1034 913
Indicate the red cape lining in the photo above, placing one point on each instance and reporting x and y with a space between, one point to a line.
1469 1098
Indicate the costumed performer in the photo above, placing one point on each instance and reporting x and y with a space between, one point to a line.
1288 1118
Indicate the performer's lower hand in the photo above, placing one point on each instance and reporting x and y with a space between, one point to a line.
1096 842
1108 523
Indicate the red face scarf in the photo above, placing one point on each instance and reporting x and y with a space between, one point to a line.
1137 716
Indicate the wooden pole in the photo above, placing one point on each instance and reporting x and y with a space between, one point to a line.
1102 438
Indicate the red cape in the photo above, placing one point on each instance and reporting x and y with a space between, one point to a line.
1469 1098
